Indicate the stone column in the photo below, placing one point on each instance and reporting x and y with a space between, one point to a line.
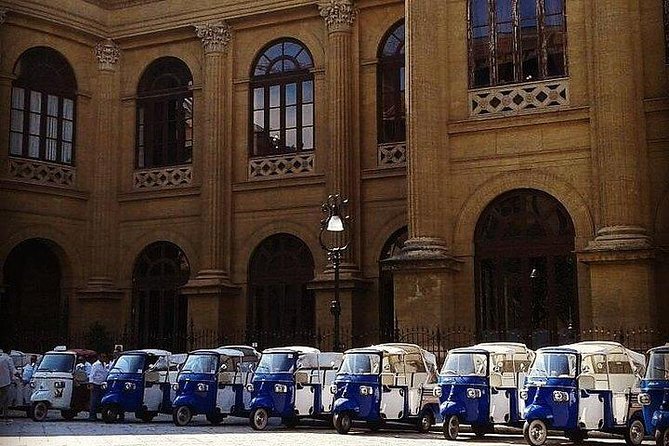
103 225
207 290
422 272
6 78
620 256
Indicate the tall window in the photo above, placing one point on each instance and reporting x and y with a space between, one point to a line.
43 107
165 114
391 81
282 95
514 41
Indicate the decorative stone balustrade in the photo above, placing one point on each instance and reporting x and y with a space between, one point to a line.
42 172
162 178
519 98
392 154
281 165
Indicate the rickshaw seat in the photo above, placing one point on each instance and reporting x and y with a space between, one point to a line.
302 377
226 377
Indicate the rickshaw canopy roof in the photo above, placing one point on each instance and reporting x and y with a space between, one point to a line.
401 349
320 360
219 351
147 352
601 348
661 349
246 350
300 350
508 348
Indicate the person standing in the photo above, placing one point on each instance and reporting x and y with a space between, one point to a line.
7 373
26 376
96 377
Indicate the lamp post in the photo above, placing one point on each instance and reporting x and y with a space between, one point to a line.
334 239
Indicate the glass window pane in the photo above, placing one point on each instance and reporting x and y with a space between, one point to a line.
51 149
17 120
33 146
258 98
18 98
34 123
308 91
259 120
66 153
67 130
51 127
68 109
275 139
274 96
35 101
308 114
291 139
52 105
307 138
291 94
555 54
291 116
527 9
553 6
479 12
16 143
140 135
274 119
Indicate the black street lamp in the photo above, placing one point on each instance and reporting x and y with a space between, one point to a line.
334 239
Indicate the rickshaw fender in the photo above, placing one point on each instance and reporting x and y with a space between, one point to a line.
40 395
112 398
448 408
264 402
537 412
185 400
345 405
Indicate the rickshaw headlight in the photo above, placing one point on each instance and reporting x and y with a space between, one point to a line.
129 386
32 383
175 387
59 384
560 397
202 387
473 393
437 392
523 394
366 390
104 386
280 388
249 387
644 399
333 388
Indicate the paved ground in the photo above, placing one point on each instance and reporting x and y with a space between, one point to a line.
57 432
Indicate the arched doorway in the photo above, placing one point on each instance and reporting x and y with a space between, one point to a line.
281 308
526 269
391 248
33 312
159 310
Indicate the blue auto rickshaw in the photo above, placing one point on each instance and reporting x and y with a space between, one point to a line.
292 383
139 382
213 382
386 383
584 387
655 395
479 386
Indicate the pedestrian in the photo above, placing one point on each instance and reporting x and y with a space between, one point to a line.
96 377
26 377
7 374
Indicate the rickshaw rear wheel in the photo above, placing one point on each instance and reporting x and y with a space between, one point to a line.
425 422
576 436
451 427
289 422
110 413
259 419
69 415
342 422
215 418
635 432
182 415
39 411
662 437
535 432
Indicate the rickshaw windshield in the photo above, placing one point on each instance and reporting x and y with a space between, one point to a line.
658 366
56 363
554 365
200 363
276 363
128 364
465 364
360 364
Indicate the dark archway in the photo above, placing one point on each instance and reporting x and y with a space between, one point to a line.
526 269
33 313
391 248
281 308
160 312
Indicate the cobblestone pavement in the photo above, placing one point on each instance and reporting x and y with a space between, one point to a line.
235 431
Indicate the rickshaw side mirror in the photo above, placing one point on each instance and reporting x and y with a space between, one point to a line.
586 382
495 380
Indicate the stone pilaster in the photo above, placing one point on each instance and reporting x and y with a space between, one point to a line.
103 224
211 283
5 94
621 255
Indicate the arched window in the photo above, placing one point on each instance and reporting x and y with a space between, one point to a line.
392 247
43 107
282 94
165 114
514 41
391 85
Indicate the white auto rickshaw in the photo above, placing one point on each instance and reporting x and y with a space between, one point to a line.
19 391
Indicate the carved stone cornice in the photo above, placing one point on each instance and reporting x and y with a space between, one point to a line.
215 36
3 15
339 15
108 53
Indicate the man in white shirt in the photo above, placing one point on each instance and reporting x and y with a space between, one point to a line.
26 376
7 374
96 377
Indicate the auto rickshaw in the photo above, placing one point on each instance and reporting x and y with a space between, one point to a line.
655 395
213 382
19 392
61 383
584 387
386 382
292 383
139 381
479 386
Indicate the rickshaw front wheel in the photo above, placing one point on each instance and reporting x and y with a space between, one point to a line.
259 419
69 415
39 411
451 427
110 413
535 432
662 437
182 415
342 422
425 422
635 432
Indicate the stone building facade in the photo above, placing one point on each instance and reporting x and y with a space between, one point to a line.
165 162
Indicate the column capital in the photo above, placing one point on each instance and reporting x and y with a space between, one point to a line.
339 15
215 36
108 53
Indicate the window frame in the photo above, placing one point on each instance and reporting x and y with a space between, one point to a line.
388 64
